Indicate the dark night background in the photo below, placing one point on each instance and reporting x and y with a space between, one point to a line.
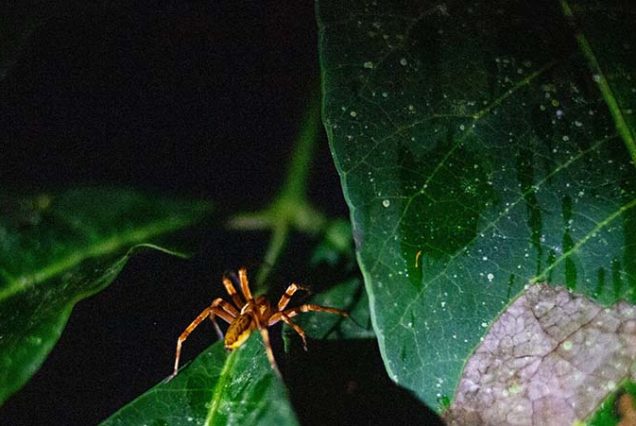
198 99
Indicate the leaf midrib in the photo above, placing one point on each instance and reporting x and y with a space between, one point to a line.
217 394
106 247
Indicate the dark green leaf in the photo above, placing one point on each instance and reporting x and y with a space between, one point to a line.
217 388
58 249
334 257
479 153
349 296
336 245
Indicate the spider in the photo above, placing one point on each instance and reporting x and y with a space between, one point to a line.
245 316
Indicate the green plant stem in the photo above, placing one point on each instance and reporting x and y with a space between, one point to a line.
606 91
290 209
295 186
219 389
277 243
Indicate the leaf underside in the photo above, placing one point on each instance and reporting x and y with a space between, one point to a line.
58 249
478 154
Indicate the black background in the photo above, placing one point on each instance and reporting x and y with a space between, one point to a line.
202 99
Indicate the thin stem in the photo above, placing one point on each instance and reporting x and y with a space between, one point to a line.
277 243
606 91
291 201
295 186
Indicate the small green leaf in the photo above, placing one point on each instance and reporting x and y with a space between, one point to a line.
334 256
336 245
349 296
480 149
58 249
217 388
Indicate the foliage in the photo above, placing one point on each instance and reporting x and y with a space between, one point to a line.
483 147
215 389
486 152
58 249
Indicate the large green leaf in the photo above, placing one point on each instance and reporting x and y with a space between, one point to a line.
58 249
217 388
482 146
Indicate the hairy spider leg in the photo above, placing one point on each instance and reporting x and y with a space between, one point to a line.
286 316
227 307
229 287
269 351
292 312
211 311
245 285
289 292
251 309
298 329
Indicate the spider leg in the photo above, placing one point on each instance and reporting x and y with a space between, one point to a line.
229 287
292 312
245 285
298 329
289 292
209 311
286 316
228 308
262 328
269 351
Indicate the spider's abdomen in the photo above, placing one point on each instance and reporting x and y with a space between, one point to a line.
238 331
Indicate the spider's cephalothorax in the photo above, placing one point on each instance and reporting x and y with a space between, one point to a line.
247 314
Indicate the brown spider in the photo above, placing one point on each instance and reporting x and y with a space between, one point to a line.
246 316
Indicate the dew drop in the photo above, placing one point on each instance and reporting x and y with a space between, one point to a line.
386 203
35 340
